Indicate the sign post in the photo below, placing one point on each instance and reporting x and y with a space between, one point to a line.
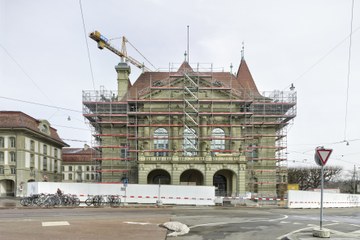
321 157
125 183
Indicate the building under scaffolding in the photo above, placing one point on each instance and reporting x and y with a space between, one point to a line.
192 125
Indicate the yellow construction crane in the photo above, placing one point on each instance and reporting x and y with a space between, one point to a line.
103 42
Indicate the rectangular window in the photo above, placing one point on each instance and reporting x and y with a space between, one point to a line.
45 164
12 142
78 177
32 160
55 166
62 168
1 170
253 152
32 145
45 149
12 157
87 176
88 168
70 168
123 153
2 142
56 153
1 157
70 176
13 170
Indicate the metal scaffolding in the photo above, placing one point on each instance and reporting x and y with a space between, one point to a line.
190 105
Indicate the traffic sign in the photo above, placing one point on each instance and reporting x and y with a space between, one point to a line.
322 155
125 182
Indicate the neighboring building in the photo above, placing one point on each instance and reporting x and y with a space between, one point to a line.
193 126
80 165
30 150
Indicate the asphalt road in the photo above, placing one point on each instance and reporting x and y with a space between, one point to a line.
206 223
266 223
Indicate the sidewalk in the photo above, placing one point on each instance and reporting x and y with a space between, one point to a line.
9 202
307 234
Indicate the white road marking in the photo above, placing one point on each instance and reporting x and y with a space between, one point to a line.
138 223
238 222
51 224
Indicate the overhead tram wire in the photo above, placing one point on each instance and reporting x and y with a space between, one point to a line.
37 86
323 57
25 73
87 45
348 70
62 126
41 104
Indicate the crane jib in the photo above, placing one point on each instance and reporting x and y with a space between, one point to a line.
103 38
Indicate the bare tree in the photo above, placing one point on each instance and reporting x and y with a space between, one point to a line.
310 177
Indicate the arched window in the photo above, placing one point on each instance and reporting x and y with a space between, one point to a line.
190 142
161 141
218 139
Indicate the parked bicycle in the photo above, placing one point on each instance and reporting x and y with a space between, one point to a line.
50 200
102 200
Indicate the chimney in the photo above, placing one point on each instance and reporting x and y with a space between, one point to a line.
123 71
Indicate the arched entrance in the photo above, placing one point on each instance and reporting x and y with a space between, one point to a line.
224 182
191 177
7 188
158 176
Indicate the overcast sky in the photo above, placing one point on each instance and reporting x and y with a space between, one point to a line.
44 58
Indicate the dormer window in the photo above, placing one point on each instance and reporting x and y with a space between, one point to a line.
44 127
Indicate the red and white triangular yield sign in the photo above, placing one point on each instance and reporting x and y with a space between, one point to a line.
322 155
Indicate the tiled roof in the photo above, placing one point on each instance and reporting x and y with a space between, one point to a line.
245 78
242 82
17 119
79 154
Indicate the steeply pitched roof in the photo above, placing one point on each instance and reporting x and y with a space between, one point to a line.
17 119
245 78
242 82
185 67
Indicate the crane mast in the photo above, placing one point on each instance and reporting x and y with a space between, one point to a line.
103 42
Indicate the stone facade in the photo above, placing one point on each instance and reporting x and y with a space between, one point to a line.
30 150
193 127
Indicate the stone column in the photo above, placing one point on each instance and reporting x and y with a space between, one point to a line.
209 175
241 178
175 134
175 174
203 133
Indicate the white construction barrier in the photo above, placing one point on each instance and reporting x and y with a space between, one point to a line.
308 199
132 193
